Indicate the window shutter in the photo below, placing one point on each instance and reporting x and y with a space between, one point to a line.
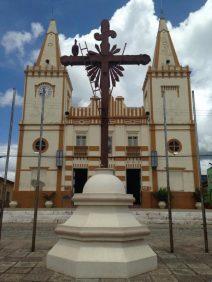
154 159
59 158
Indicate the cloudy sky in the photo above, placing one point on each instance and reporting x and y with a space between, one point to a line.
22 29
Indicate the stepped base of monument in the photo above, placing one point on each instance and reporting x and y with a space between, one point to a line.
101 259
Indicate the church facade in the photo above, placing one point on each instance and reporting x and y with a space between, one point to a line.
71 137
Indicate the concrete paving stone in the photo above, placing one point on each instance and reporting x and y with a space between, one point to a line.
41 263
38 274
161 271
57 277
10 260
25 264
88 280
113 280
141 278
207 278
208 262
198 265
8 263
42 270
203 271
187 278
163 278
19 270
36 277
176 265
5 252
31 259
11 277
167 256
184 256
172 260
162 265
19 253
13 258
188 260
183 271
37 254
3 268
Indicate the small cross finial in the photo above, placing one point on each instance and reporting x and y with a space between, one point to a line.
106 32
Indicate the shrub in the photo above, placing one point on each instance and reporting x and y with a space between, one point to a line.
161 194
49 197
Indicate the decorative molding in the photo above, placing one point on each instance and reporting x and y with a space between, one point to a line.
145 178
170 88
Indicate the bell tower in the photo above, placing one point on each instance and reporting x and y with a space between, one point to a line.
47 74
167 76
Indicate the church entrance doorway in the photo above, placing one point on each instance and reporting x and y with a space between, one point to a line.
80 177
134 184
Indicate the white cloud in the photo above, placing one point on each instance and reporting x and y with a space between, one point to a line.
12 160
136 24
6 98
32 57
193 43
205 165
15 41
37 29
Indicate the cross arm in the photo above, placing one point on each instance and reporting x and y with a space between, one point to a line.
97 60
130 59
79 60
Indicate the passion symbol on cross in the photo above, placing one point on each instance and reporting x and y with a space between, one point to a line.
104 68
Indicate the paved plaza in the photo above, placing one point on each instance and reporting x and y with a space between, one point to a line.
188 263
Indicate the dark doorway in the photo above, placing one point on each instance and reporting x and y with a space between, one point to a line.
134 184
80 177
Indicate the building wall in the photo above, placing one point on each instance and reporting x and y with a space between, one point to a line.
117 159
9 190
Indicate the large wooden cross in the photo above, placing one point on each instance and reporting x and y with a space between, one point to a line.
104 68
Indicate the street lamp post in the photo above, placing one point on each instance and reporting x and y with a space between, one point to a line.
167 174
38 184
200 184
3 192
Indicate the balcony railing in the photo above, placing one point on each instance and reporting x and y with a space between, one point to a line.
80 151
133 151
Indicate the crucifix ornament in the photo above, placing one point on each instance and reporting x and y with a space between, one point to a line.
104 68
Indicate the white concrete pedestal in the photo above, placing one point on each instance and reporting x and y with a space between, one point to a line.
102 239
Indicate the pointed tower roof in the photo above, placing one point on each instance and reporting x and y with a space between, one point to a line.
165 53
50 51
